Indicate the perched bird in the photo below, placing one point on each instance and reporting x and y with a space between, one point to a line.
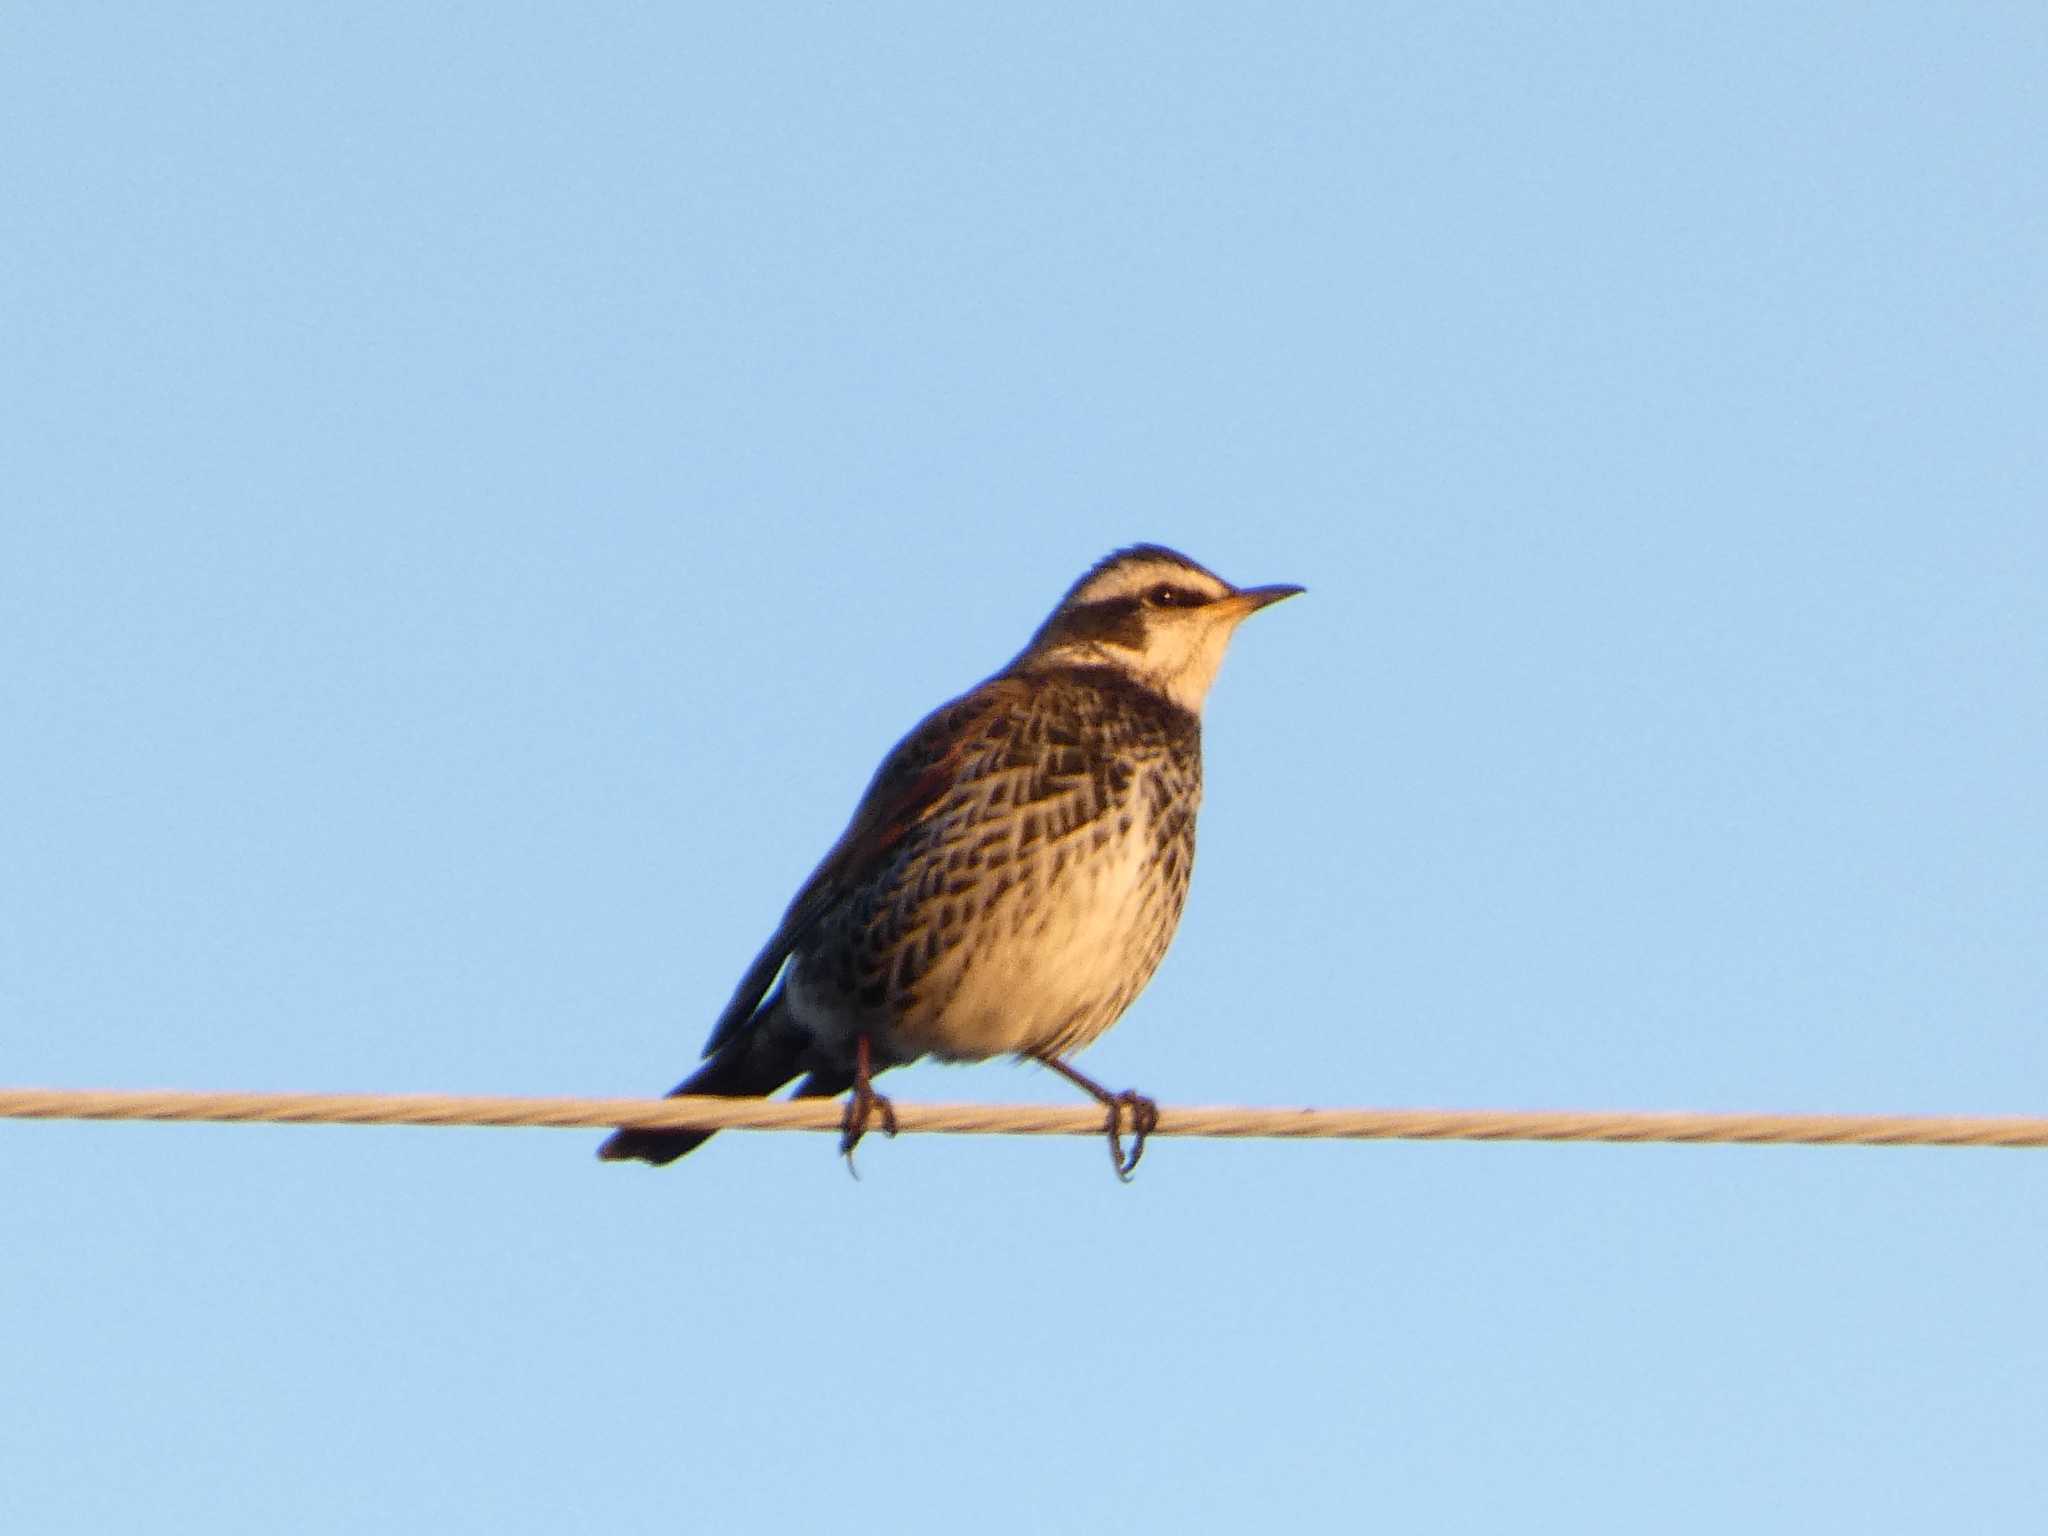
1014 872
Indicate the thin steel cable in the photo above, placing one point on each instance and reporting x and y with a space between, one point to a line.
706 1114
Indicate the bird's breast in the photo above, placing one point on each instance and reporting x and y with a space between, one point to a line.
1058 954
1008 930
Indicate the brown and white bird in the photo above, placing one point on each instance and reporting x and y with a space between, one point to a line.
1014 872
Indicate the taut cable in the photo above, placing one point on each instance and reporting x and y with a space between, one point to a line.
710 1114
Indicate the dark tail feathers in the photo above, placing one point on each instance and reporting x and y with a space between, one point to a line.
753 1064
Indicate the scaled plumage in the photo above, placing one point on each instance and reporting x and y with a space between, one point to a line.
1016 869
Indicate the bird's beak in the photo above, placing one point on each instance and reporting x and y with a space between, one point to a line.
1246 601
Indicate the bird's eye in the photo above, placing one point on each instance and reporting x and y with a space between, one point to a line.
1165 595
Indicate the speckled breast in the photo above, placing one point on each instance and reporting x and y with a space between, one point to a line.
1033 905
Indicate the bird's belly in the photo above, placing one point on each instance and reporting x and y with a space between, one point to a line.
1050 965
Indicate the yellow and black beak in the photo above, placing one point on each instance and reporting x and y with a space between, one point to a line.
1246 601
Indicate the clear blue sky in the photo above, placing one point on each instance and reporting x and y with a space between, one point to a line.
481 489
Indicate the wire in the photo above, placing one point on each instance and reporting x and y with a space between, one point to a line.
1029 1120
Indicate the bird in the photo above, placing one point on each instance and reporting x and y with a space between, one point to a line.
1011 878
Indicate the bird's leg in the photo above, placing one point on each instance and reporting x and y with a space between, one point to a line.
862 1104
1143 1112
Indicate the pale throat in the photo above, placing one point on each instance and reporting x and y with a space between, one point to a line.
1180 667
1185 668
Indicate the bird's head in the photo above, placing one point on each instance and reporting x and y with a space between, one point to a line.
1151 614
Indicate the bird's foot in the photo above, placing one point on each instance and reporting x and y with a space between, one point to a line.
863 1105
1144 1116
1144 1121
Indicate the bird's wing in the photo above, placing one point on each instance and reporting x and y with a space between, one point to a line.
912 784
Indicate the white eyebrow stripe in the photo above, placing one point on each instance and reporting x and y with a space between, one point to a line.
1134 580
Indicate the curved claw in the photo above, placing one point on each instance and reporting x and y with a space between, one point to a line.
862 1105
1144 1121
1143 1112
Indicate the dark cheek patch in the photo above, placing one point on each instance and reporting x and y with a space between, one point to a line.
1114 621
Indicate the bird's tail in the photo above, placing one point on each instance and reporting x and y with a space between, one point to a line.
756 1061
